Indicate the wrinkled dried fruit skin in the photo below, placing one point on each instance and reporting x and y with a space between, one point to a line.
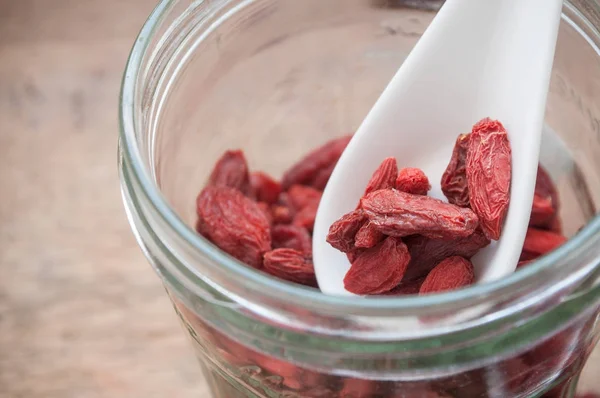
451 274
231 170
379 269
343 232
300 196
291 265
384 177
401 214
353 255
308 168
406 288
488 175
234 223
539 242
368 236
264 187
412 180
546 190
266 210
305 218
426 253
291 237
454 179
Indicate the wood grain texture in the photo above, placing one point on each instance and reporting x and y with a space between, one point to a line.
82 315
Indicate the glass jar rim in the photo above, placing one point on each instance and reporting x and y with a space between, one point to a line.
526 279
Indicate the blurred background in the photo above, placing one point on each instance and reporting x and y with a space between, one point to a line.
81 313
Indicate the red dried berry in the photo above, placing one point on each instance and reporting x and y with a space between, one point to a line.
384 177
306 217
454 179
368 236
401 214
282 214
300 196
291 265
412 180
426 253
353 255
379 269
539 242
542 212
488 175
523 263
359 388
343 232
451 274
264 187
231 170
234 223
291 237
546 193
322 177
406 288
308 168
526 256
266 210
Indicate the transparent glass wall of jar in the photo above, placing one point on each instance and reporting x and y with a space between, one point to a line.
278 78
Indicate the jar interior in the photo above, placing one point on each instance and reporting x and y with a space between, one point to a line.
277 78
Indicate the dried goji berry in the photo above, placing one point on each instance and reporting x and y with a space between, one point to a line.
412 180
426 253
234 223
542 212
359 388
291 265
539 242
231 170
300 196
451 274
379 269
353 255
266 210
291 237
282 214
322 177
405 288
454 179
368 236
546 192
384 177
488 175
306 217
264 187
343 232
401 214
307 169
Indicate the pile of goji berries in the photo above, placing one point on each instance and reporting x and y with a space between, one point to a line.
265 223
399 240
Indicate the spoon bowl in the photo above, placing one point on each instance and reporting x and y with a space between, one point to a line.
477 59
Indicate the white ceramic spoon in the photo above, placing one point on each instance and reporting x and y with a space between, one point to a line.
478 58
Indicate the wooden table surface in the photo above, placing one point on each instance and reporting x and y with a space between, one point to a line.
82 315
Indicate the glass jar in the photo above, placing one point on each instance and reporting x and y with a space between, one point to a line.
279 77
